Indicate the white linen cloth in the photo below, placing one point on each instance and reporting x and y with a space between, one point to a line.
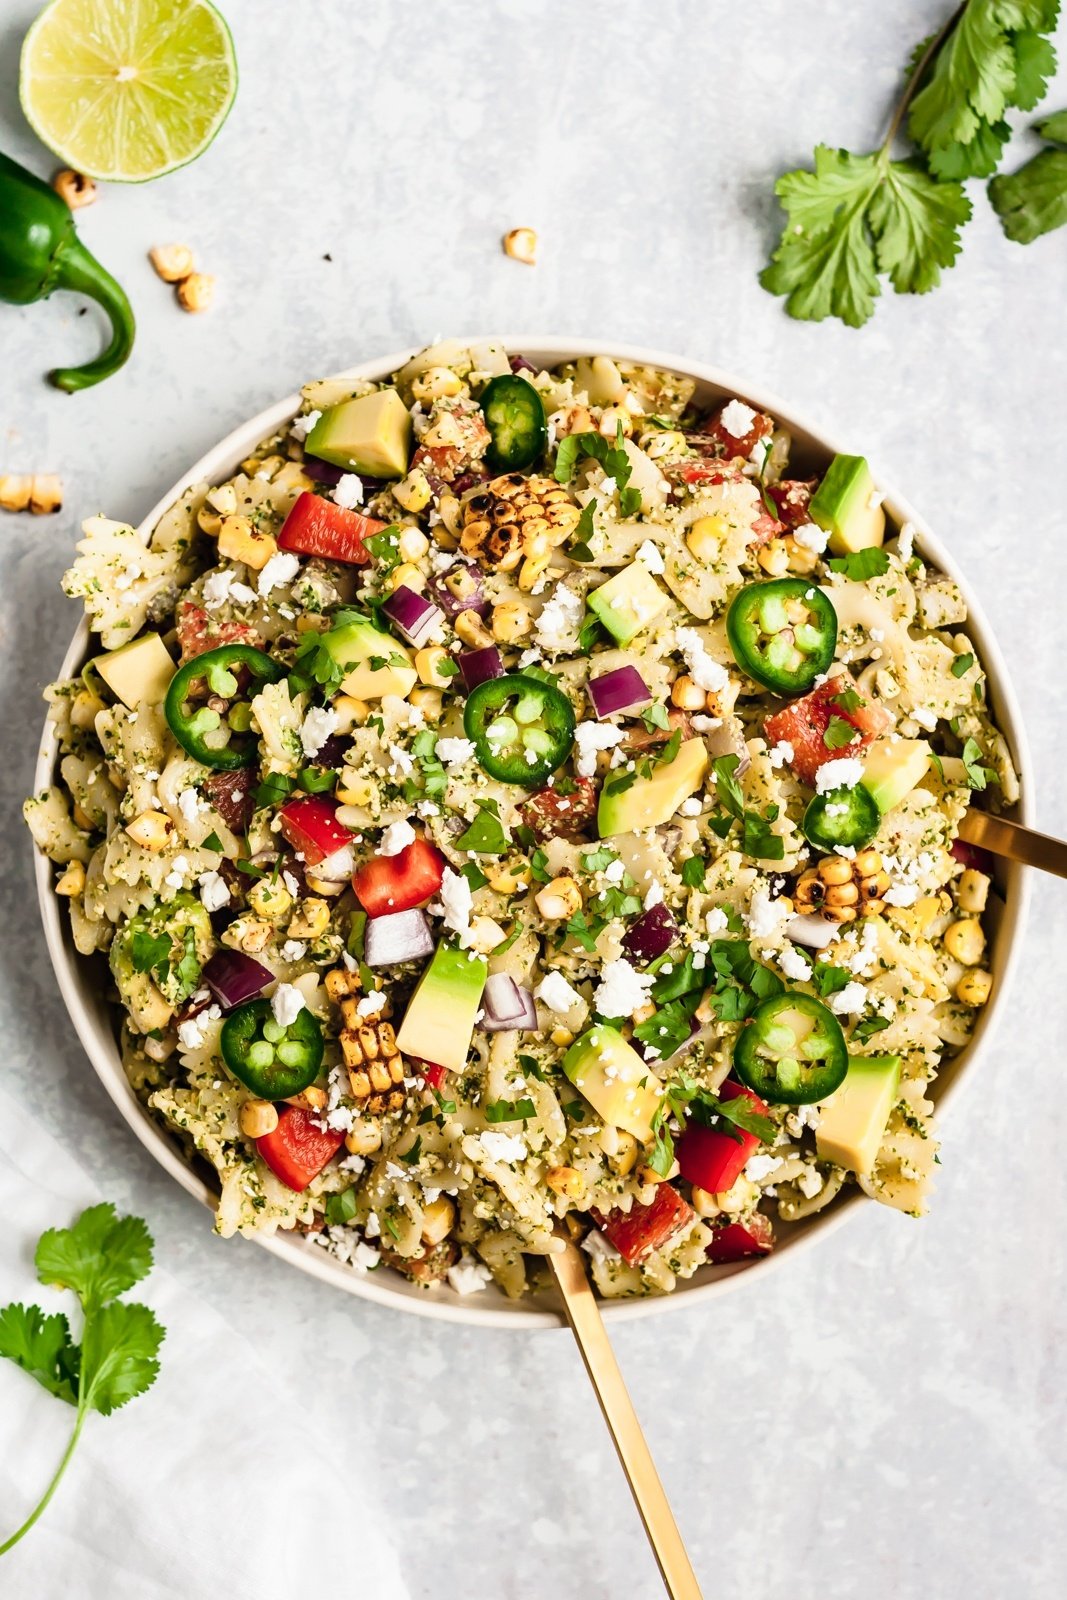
210 1484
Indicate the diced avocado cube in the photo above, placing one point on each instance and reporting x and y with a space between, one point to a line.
628 602
138 671
893 768
629 801
439 1021
848 506
619 1086
375 664
371 434
852 1121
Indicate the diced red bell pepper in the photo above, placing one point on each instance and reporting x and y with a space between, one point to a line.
433 1076
792 497
761 426
298 1149
972 856
198 631
233 796
714 1160
803 724
642 1229
733 1241
550 814
764 528
318 527
399 883
310 824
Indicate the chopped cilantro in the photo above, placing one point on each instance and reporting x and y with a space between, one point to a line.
693 870
839 733
509 1110
485 835
962 665
859 565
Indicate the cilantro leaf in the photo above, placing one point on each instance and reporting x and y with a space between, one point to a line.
869 1026
839 733
759 840
509 1110
41 1346
149 950
485 835
1033 200
669 1028
978 776
861 564
119 1350
100 1257
341 1208
693 870
726 785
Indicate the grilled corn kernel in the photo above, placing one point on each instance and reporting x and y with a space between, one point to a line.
171 262
521 245
239 541
648 1175
437 1220
706 536
37 492
364 1137
74 187
687 695
561 1037
413 492
436 383
310 1099
351 712
740 1197
209 521
223 499
622 1156
270 900
509 877
972 891
85 708
196 292
257 1117
408 574
510 621
613 418
429 701
355 791
559 899
567 1181
485 934
472 630
704 1203
412 544
428 664
965 941
532 572
250 934
975 987
661 442
81 817
773 558
310 921
72 881
152 830
835 870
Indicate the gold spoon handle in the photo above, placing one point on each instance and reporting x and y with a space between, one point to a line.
1014 842
583 1314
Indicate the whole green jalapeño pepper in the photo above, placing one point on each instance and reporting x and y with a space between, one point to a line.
521 729
791 1050
197 725
273 1059
40 251
782 633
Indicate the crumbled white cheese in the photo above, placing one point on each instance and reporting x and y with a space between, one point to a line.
812 537
190 804
300 427
560 619
176 876
370 1005
286 1003
192 1033
402 763
849 1001
468 1276
844 773
901 894
219 587
780 754
282 568
454 753
214 893
761 1166
716 921
456 902
293 950
591 737
906 542
651 556
364 1257
615 871
653 894
793 965
348 491
705 672
289 879
765 914
500 1146
809 1182
925 718
691 807
395 838
318 725
599 1248
622 990
556 993
737 419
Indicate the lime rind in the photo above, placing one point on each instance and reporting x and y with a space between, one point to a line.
166 113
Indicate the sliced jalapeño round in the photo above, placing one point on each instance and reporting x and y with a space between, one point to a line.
200 728
791 1050
842 817
783 633
515 416
521 729
273 1059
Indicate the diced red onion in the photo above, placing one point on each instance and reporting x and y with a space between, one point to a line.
331 755
412 615
811 930
654 932
398 936
972 855
323 471
520 364
506 1005
478 666
234 978
452 604
621 690
336 867
729 740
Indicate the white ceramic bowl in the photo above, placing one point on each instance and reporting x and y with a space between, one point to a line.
96 1021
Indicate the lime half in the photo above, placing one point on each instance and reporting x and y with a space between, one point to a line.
126 90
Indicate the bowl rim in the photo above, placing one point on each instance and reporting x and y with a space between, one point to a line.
489 1308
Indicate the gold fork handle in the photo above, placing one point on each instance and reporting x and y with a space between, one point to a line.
1014 842
586 1323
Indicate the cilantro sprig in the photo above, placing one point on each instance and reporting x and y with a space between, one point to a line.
99 1258
1033 200
758 838
856 219
684 1098
615 462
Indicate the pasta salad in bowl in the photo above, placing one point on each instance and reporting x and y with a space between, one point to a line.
514 790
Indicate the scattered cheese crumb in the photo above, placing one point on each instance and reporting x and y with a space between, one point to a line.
395 838
318 725
781 754
469 1275
844 773
651 556
214 893
793 965
589 738
286 1003
348 491
849 1001
282 568
454 753
812 537
456 900
556 993
561 615
622 990
300 427
705 672
192 1033
736 419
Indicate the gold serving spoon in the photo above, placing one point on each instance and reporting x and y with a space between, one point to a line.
1014 842
583 1314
